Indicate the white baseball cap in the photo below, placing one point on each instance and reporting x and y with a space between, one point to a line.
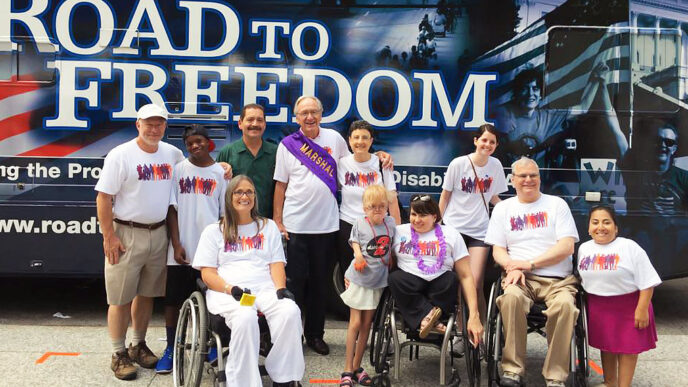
151 110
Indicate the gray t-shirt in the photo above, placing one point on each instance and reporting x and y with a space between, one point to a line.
376 246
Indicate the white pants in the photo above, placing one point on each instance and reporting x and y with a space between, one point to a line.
285 361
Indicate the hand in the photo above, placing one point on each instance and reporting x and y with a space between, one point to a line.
599 70
237 292
475 330
514 277
386 158
360 263
180 255
346 283
112 247
285 293
283 230
517 265
642 318
228 170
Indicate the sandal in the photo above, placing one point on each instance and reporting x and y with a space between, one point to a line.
429 322
346 380
439 328
362 377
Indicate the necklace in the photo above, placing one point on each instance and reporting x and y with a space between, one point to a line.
440 258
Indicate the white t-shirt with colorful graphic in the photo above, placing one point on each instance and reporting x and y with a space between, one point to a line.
429 246
619 267
527 230
309 206
354 178
199 197
245 263
466 211
141 182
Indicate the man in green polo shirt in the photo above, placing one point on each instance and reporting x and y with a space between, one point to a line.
253 157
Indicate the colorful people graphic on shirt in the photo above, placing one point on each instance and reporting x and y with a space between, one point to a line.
154 171
473 185
529 221
246 243
429 248
360 179
197 185
597 262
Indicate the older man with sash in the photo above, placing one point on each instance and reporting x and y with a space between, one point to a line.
305 210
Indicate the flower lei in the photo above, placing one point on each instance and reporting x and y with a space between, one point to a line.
440 258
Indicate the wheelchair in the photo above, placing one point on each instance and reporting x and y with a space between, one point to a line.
386 347
199 330
579 368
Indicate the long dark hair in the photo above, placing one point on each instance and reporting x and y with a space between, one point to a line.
230 227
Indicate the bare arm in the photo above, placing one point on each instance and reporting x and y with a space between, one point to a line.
555 254
444 201
596 79
112 246
463 271
278 206
642 312
495 199
173 231
214 281
394 210
386 158
278 275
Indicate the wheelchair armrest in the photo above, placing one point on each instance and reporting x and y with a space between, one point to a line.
201 285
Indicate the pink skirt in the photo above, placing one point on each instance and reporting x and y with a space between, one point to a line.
610 324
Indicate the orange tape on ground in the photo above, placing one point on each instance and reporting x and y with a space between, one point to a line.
48 354
323 381
595 367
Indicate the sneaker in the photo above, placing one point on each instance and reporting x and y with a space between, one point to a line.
164 365
122 366
141 354
555 383
212 354
458 347
510 379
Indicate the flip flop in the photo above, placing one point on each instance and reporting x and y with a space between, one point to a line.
429 322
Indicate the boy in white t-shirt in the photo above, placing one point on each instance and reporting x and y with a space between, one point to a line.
533 236
197 200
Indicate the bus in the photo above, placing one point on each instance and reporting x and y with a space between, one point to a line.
595 91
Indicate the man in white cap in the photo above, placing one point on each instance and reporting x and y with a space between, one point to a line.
133 197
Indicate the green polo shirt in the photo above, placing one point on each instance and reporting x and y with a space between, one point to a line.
260 169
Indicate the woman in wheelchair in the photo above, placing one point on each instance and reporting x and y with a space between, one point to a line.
425 286
619 279
239 257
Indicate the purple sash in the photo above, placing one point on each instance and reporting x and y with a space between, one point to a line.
314 157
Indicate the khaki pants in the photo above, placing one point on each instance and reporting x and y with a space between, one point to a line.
514 305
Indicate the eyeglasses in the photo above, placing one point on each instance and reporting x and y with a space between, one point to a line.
238 194
669 142
306 113
423 198
379 207
526 175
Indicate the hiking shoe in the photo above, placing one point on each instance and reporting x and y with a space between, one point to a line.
122 366
510 379
141 354
212 354
164 365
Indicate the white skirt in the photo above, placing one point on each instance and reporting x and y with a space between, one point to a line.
361 298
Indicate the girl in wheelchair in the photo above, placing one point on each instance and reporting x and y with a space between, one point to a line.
371 240
241 255
619 279
425 286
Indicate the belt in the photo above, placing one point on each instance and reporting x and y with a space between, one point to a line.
151 226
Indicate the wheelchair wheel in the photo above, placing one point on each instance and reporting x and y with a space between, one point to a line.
493 336
190 342
471 354
581 370
381 340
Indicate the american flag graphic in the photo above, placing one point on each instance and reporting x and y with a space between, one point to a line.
564 55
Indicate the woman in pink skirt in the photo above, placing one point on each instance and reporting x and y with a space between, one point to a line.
619 279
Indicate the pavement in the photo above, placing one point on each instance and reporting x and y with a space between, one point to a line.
38 349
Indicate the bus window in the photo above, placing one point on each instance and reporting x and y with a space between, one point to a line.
31 62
